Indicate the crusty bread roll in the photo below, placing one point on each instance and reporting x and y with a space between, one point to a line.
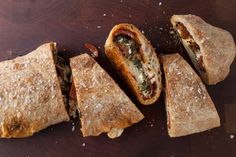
103 106
211 49
188 105
136 60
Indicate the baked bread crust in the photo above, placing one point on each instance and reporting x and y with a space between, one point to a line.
113 54
102 105
216 46
30 94
188 105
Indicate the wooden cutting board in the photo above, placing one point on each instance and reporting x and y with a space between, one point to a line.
25 24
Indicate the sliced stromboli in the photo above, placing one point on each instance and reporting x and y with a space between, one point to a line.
136 60
188 105
211 49
30 93
103 106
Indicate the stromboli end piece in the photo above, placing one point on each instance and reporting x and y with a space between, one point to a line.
211 49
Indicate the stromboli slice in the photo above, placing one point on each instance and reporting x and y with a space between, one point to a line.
136 60
30 93
211 49
103 106
188 105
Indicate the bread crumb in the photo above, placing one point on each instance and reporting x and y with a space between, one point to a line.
143 31
160 3
104 14
73 128
172 32
83 144
99 27
231 136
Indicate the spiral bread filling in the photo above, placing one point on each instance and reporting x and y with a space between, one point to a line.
191 46
134 57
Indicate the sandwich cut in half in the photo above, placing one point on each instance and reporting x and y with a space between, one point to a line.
188 105
103 106
211 49
30 94
135 59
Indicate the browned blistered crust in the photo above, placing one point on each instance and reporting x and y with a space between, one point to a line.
103 106
30 94
188 105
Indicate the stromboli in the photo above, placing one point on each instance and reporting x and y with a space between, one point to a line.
211 49
136 60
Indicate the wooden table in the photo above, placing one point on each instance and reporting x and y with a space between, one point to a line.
25 24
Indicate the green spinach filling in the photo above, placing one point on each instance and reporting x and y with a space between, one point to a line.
130 50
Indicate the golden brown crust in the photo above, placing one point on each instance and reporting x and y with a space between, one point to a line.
103 106
30 94
216 45
117 60
188 105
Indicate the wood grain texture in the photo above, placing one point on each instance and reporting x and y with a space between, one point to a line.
25 24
